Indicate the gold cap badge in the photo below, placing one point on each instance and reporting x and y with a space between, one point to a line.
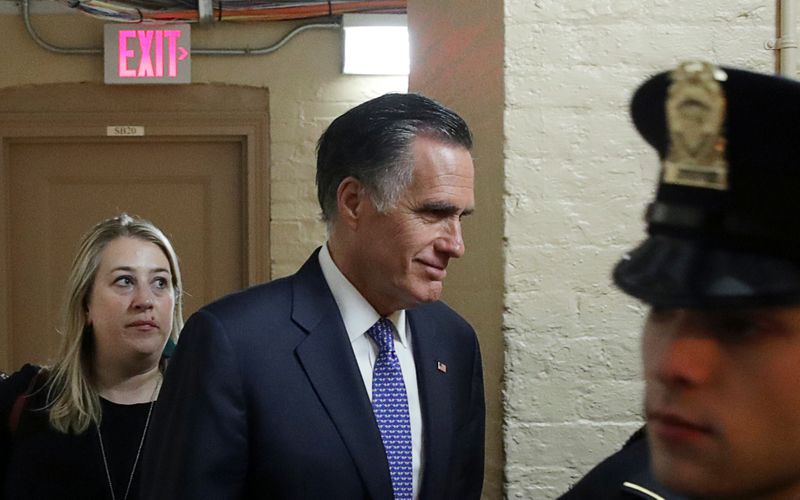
695 117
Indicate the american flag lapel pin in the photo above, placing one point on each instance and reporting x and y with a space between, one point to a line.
442 367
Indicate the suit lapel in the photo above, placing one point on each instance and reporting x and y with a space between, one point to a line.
329 362
434 396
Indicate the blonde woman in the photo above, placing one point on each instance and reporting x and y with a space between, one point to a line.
77 429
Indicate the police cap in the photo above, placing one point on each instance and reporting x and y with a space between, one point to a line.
724 228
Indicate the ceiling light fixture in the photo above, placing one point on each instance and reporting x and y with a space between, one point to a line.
375 44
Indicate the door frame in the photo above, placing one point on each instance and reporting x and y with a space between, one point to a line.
42 112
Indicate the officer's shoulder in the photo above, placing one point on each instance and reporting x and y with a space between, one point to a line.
605 480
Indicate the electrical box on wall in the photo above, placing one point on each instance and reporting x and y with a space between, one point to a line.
146 54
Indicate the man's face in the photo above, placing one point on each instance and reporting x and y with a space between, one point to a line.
402 255
722 401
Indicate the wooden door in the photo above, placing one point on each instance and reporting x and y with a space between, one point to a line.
196 175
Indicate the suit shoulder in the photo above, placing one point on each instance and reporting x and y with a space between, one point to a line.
444 316
441 309
273 296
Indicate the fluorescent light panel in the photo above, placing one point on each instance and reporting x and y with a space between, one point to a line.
375 44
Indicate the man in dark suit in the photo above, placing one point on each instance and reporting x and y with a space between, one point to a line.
348 380
720 270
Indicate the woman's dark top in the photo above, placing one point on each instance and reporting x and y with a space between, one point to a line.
42 463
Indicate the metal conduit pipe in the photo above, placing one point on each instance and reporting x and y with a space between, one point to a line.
266 50
787 43
26 15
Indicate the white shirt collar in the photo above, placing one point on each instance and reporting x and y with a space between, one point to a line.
358 315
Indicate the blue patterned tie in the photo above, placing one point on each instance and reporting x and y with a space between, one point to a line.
390 404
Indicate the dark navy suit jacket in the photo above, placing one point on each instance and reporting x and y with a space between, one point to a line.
263 399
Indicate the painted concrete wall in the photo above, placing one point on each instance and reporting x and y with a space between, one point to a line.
577 178
307 90
457 58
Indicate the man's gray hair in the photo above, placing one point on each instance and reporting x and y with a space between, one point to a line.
373 143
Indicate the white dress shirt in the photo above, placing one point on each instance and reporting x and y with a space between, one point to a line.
359 316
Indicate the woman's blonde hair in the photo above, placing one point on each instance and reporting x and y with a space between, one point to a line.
73 402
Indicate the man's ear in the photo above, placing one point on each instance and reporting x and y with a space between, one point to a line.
350 197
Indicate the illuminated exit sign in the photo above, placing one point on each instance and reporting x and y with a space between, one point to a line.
137 54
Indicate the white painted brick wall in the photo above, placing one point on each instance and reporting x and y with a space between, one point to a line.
577 179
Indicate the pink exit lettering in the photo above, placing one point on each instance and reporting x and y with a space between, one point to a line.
149 45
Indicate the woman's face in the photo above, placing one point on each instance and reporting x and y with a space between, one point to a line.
131 302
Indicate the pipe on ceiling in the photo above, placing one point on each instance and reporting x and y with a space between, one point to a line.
26 16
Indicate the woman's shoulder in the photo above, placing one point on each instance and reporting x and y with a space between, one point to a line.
11 386
23 376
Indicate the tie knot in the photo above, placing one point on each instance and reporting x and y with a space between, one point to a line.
382 332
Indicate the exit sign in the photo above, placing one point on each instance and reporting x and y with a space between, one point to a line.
137 54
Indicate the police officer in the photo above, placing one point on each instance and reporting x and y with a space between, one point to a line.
720 270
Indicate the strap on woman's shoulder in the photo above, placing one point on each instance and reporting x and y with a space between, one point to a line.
36 374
